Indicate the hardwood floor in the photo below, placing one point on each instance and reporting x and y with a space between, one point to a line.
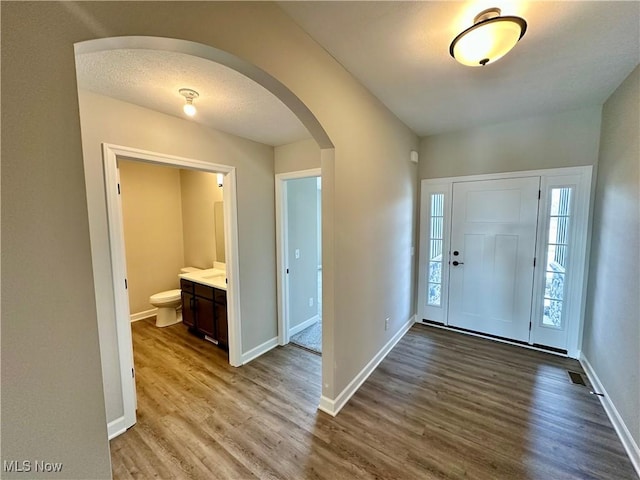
441 406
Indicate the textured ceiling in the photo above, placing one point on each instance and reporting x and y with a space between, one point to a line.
573 55
228 100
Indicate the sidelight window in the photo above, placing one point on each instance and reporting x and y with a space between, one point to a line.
434 285
557 255
553 305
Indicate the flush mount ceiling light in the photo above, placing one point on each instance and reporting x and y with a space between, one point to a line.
489 39
189 95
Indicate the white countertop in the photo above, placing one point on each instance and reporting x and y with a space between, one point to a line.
212 277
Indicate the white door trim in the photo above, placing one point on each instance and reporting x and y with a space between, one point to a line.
282 247
584 199
436 313
111 153
498 176
575 282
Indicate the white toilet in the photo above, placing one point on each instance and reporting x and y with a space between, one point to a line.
168 304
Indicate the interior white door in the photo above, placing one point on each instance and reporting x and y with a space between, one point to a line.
493 238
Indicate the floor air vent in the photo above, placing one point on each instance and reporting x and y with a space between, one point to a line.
576 378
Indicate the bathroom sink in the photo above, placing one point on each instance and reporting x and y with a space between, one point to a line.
213 276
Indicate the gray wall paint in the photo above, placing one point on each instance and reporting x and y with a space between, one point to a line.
368 212
52 396
302 155
107 120
565 139
612 326
302 209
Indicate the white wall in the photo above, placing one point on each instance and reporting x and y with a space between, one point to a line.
565 139
369 192
612 325
107 120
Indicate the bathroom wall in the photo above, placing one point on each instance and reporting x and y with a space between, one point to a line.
200 193
152 221
169 223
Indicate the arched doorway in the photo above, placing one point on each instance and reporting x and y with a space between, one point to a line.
119 337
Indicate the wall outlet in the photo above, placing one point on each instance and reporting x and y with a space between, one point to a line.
386 323
311 301
297 253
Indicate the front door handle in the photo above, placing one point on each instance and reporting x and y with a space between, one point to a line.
456 263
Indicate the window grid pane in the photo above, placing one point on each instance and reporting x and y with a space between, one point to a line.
557 255
436 250
434 287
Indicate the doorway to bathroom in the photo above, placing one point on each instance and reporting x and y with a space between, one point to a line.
299 220
112 154
173 222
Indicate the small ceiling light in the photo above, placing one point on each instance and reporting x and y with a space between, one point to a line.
189 95
489 39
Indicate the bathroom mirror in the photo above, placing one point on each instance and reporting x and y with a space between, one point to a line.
218 213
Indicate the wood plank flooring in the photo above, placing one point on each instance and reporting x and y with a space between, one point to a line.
442 405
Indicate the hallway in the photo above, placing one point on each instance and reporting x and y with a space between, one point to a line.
441 406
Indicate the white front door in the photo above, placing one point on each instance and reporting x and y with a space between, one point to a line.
493 239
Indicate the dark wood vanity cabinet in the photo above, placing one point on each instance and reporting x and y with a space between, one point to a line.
204 311
188 313
220 308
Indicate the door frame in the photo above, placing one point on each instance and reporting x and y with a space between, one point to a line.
576 294
111 153
282 256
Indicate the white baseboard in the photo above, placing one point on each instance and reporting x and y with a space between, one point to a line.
116 427
303 325
259 350
612 412
142 315
332 407
327 406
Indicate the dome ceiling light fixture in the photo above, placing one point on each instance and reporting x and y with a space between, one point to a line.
190 95
490 38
